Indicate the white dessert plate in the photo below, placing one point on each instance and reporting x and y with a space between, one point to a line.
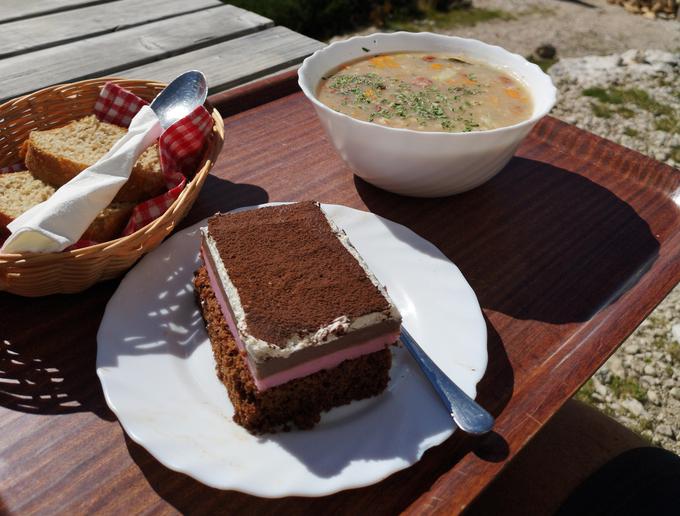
157 371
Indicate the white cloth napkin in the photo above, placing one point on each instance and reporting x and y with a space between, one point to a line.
61 220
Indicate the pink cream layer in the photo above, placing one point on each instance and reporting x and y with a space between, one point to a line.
305 369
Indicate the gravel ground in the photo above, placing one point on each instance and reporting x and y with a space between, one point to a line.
633 98
576 28
628 97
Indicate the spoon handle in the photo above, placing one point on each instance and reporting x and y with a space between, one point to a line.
466 412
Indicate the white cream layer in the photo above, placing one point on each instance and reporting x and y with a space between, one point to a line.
260 350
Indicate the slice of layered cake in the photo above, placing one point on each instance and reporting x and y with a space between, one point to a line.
297 322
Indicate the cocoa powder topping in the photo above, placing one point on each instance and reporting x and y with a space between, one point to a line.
292 274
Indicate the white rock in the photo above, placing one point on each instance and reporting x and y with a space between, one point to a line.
632 348
616 367
653 396
599 388
604 375
633 406
675 332
626 421
649 369
651 380
675 392
638 366
665 430
633 56
661 56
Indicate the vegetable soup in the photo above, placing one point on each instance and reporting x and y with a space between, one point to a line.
426 92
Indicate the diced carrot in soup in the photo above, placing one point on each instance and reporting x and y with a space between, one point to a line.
512 92
385 61
426 92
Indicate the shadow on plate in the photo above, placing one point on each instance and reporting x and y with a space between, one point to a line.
536 242
47 362
389 496
172 308
494 392
170 312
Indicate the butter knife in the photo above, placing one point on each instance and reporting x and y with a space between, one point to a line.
466 412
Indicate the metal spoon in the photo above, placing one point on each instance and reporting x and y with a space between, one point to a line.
466 412
179 98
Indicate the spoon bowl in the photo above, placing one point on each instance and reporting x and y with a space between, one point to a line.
184 94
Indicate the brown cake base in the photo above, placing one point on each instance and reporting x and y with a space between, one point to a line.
300 401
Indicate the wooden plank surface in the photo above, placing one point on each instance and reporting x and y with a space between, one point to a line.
12 10
46 31
236 61
567 249
110 53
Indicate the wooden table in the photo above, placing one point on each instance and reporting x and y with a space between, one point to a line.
568 249
45 42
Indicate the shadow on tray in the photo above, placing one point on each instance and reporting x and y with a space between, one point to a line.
536 242
47 364
221 195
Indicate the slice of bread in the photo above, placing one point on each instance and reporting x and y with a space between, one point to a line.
20 191
57 155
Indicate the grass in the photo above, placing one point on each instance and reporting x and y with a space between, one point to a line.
625 112
674 351
622 387
601 110
585 393
635 96
628 131
645 424
666 117
660 342
447 20
675 153
669 124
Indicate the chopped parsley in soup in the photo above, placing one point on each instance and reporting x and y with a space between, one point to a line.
426 92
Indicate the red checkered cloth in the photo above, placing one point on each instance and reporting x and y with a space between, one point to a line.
117 105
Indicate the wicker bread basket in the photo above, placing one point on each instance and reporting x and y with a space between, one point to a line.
31 274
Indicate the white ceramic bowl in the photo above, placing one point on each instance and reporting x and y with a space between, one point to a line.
423 163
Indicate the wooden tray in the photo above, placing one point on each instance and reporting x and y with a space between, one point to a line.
568 249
